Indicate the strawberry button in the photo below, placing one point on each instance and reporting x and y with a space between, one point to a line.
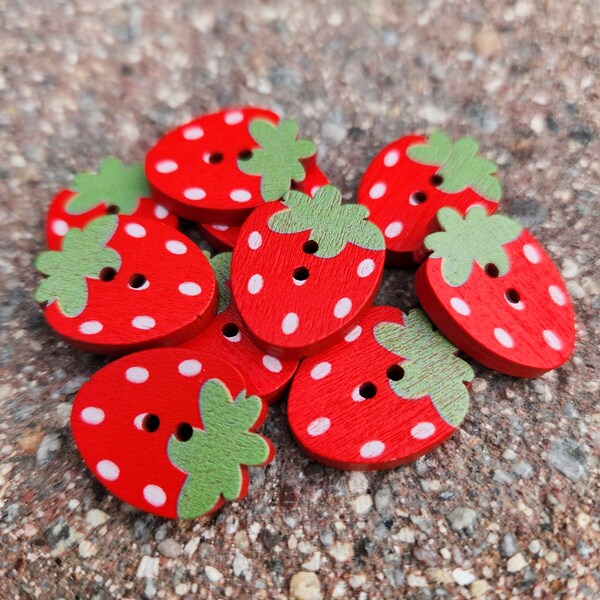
114 189
390 392
170 431
412 178
123 284
493 291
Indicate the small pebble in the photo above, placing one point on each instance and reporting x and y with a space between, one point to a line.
567 457
240 564
214 575
87 549
463 577
383 497
479 587
509 545
96 517
416 581
305 586
341 551
363 504
534 547
48 448
486 43
516 563
463 519
170 548
358 483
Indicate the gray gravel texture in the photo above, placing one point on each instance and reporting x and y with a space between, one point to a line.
509 506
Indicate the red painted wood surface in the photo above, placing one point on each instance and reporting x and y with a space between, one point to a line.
343 411
520 323
223 237
403 198
227 336
194 170
124 418
293 302
163 293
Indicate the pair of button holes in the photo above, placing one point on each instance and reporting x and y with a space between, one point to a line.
301 274
183 431
217 157
417 198
368 389
511 295
136 281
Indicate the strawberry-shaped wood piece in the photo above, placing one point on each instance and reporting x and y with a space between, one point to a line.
170 431
219 167
120 285
493 291
413 177
223 237
304 270
114 189
228 336
391 391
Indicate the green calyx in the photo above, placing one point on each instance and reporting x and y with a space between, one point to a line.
478 238
84 255
430 365
459 165
331 223
277 160
113 185
221 265
213 456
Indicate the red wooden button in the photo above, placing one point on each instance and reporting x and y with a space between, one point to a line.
304 270
115 189
391 391
413 177
223 237
227 336
219 167
493 291
122 284
170 431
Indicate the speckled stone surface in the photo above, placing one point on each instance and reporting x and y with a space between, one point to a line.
509 506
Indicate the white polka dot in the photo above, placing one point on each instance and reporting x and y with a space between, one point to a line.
234 117
318 426
357 396
372 449
391 158
365 267
220 227
108 470
175 247
135 230
190 367
557 295
255 283
194 193
155 495
377 190
460 306
189 288
503 337
272 364
139 421
314 190
240 195
354 334
160 212
552 340
143 322
255 240
342 308
193 132
290 323
166 166
321 370
92 415
91 327
422 431
394 229
60 227
137 374
532 254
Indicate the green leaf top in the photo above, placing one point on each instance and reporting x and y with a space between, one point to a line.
84 255
277 160
331 223
213 456
459 165
478 238
221 264
113 185
430 365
